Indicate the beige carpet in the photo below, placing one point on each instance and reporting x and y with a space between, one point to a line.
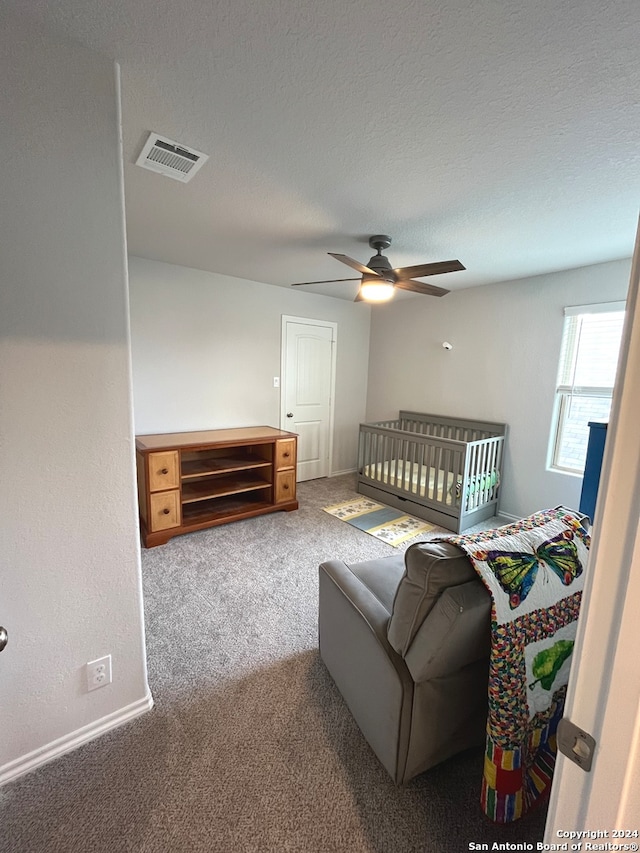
250 748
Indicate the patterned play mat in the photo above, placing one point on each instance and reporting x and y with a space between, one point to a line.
390 525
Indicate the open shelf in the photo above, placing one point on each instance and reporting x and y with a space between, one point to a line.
193 468
222 508
216 487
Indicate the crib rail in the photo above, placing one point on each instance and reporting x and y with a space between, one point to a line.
481 481
458 429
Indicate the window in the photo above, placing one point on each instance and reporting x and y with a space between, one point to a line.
588 361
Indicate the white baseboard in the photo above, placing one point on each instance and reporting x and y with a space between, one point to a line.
508 516
346 471
44 754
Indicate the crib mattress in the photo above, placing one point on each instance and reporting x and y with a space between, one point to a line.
433 483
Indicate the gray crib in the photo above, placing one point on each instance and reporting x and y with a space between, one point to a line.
445 470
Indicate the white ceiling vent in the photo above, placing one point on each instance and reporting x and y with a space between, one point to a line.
170 158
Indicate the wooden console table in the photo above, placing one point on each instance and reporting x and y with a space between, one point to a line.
191 480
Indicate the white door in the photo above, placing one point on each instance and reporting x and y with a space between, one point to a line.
308 368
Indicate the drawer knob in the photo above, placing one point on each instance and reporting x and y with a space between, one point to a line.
286 454
166 510
285 486
164 471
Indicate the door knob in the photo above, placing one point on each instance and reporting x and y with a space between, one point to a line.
289 414
4 638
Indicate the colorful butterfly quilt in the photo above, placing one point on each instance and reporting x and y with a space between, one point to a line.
534 570
516 571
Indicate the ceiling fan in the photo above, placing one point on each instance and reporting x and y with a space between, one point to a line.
379 279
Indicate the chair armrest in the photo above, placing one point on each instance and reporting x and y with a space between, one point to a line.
360 597
372 678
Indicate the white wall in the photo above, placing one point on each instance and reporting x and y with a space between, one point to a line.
69 570
206 347
503 366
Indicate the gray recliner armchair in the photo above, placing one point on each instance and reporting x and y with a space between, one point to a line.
406 640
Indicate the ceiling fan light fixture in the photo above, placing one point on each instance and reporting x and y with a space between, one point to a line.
376 290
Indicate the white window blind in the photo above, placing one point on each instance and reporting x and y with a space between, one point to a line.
586 376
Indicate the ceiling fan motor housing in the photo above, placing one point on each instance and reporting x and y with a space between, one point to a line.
380 264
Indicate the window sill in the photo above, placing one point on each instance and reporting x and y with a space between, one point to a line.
566 471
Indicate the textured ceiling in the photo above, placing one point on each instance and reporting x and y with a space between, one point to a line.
505 134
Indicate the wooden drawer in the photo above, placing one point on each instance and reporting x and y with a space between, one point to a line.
164 471
165 510
285 486
285 453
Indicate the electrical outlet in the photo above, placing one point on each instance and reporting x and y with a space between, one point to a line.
99 673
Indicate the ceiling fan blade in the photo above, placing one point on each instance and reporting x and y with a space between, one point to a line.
328 281
421 270
421 287
345 259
